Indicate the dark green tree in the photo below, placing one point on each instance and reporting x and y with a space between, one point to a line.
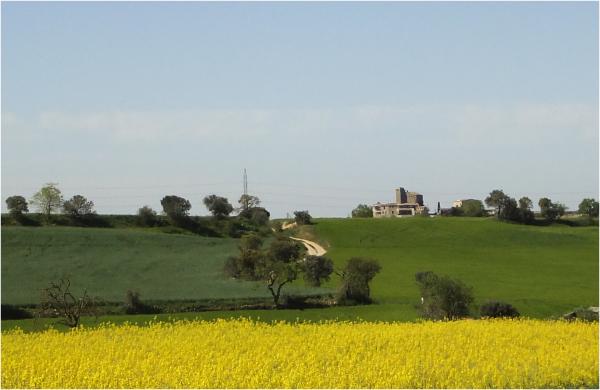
525 213
496 199
316 269
302 217
176 208
17 205
356 276
443 298
551 211
218 206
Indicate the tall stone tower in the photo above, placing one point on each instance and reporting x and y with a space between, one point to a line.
401 195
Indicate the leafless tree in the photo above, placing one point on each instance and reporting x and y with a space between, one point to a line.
57 300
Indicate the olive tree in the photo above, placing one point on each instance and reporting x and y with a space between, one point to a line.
278 265
218 206
176 208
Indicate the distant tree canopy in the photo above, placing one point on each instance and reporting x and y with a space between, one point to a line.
362 211
496 200
16 205
302 217
589 207
356 276
48 200
551 211
218 206
507 208
78 206
525 213
525 203
175 207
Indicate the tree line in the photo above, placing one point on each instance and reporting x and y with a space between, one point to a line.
505 208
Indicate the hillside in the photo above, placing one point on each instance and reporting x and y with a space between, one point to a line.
108 262
543 271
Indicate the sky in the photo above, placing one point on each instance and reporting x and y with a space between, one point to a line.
327 105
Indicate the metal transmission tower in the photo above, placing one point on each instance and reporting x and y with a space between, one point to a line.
245 196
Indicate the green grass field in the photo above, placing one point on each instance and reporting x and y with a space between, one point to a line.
108 262
543 271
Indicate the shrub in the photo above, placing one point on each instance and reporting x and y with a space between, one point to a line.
258 216
134 305
302 217
495 309
356 277
362 211
442 297
146 217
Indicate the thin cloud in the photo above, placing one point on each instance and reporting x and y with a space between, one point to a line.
461 124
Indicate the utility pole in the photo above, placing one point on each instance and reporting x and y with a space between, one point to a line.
245 196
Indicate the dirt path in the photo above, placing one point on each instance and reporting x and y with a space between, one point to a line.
312 248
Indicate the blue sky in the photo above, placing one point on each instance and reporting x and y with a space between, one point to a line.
327 105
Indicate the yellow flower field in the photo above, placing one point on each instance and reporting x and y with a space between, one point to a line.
246 354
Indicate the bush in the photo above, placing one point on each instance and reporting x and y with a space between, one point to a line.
362 211
302 217
495 309
146 217
582 314
443 298
134 305
258 216
356 277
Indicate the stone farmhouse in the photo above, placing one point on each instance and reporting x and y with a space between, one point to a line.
406 204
